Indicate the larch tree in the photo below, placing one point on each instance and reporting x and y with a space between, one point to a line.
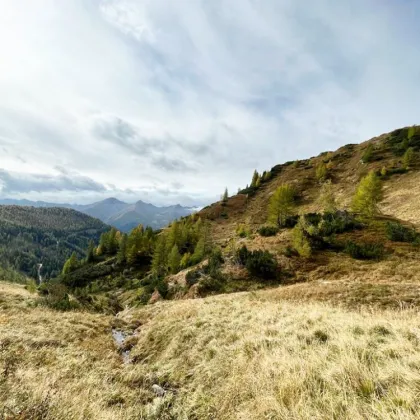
160 257
174 260
408 158
225 196
255 177
368 195
282 205
327 199
71 264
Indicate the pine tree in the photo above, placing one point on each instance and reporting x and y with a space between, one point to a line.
300 241
255 177
199 252
174 260
160 257
122 250
368 154
185 260
321 172
90 253
71 264
225 196
282 205
368 195
408 158
327 199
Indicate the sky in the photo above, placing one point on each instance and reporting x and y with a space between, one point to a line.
172 101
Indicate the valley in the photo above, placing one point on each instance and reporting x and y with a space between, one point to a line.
296 298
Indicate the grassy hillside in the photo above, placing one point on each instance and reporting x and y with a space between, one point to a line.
239 356
354 260
30 236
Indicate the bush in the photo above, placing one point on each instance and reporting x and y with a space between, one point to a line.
368 154
242 255
192 277
268 231
56 297
399 233
365 251
211 284
215 262
242 231
338 222
258 263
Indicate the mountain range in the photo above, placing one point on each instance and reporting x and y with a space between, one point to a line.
124 216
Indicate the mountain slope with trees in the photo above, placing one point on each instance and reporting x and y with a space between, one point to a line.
303 221
31 236
123 216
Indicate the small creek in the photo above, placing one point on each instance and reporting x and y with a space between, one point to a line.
119 338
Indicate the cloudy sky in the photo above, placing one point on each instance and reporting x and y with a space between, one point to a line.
171 101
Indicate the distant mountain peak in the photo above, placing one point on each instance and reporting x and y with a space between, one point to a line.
113 200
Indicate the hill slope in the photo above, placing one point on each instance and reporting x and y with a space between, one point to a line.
30 236
242 356
123 216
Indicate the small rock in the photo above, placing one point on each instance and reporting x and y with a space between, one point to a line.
158 390
156 297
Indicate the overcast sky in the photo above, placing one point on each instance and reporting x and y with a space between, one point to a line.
171 101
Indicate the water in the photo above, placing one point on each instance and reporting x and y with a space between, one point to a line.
119 338
39 273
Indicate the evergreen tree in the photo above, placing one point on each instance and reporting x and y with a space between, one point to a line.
71 264
282 205
408 158
255 177
160 257
90 254
174 260
368 195
199 252
300 241
321 172
225 196
122 250
185 260
368 154
327 199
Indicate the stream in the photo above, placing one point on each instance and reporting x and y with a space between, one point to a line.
119 338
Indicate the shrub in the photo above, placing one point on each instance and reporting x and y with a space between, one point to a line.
268 231
192 277
399 233
365 251
210 284
321 172
301 241
368 154
31 286
242 255
56 297
215 262
338 222
258 263
242 231
408 158
262 264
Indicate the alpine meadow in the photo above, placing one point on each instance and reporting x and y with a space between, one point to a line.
295 296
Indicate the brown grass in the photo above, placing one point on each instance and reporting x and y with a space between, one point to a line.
240 356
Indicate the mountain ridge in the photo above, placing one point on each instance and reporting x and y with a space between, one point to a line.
122 215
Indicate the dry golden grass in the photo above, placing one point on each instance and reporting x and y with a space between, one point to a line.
239 356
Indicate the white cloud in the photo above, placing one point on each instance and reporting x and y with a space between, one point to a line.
168 100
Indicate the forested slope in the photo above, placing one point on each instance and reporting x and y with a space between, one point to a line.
30 236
